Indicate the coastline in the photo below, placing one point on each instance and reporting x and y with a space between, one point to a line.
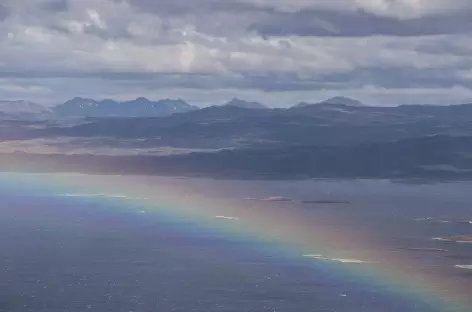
186 167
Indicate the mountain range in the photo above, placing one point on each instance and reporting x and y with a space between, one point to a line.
234 127
336 138
79 107
140 107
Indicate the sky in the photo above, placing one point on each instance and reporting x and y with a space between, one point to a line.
277 52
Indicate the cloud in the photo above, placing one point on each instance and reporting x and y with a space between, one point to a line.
18 89
272 51
405 9
4 12
359 24
55 5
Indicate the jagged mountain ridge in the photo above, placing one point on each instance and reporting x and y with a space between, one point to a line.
140 107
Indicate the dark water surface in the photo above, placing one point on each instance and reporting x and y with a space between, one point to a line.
95 254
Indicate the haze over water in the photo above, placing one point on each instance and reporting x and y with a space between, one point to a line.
169 244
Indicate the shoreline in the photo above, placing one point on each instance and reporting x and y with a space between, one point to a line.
228 176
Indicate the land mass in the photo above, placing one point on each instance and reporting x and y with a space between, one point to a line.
246 140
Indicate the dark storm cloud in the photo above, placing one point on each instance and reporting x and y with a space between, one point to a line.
345 24
55 5
400 78
274 82
150 80
4 12
268 21
223 18
184 7
389 79
451 47
106 75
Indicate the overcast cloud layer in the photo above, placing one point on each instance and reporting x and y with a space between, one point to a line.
279 52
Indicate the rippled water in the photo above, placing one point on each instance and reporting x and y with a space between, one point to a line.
60 253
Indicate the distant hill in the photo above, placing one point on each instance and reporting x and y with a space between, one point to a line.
23 110
341 100
338 100
141 107
244 104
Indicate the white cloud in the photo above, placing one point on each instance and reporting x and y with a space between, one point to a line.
25 90
96 19
97 36
412 8
394 8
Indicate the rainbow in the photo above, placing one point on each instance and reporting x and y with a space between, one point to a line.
279 230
